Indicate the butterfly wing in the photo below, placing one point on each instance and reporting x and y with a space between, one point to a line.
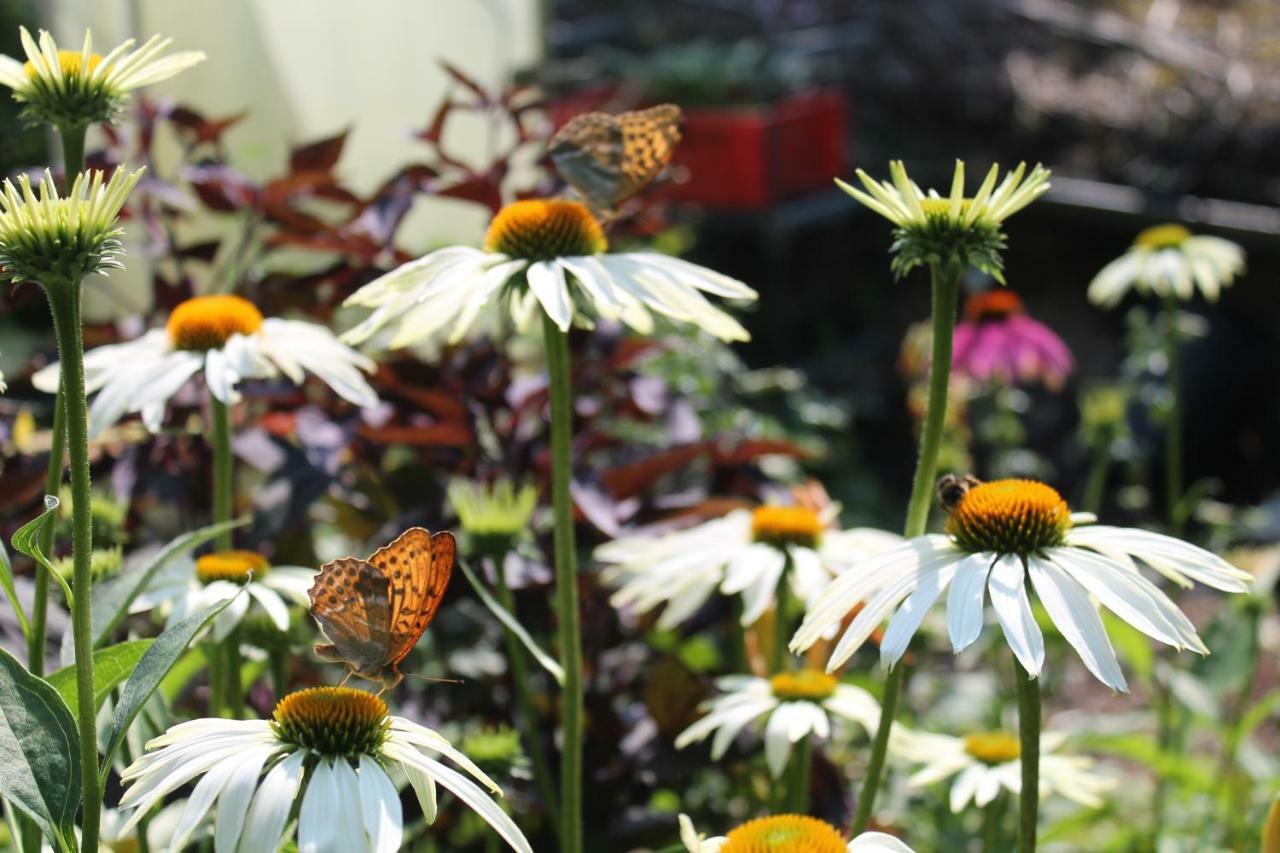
351 599
419 566
649 140
587 152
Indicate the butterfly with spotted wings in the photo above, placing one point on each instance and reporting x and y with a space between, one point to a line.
607 159
374 611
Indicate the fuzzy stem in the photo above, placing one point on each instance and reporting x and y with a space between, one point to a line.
1029 732
558 372
524 701
992 817
1173 429
64 301
232 662
945 288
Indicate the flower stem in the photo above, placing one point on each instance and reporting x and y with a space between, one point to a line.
64 302
992 817
1173 430
220 436
945 282
798 772
738 656
558 373
1029 731
524 702
234 696
781 622
1096 482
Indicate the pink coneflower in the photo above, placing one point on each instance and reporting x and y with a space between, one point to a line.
997 341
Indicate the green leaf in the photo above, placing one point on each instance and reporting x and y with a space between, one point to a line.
6 581
111 666
27 541
39 749
112 599
151 670
513 625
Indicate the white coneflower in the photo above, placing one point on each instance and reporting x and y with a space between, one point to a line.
795 705
744 553
1168 260
54 240
225 337
1000 535
936 229
984 763
787 833
72 88
188 587
326 749
541 256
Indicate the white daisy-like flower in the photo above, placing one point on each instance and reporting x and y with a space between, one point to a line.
56 240
1002 538
541 257
187 587
935 229
225 337
328 749
795 705
112 838
1168 260
986 762
744 552
787 832
70 88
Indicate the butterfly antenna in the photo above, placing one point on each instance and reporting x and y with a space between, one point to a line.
433 678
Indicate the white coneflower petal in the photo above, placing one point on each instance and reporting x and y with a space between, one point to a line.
1168 260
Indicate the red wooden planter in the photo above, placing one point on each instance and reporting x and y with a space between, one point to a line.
747 158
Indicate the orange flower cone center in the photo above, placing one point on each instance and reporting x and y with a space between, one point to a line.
993 747
1168 236
807 684
787 833
208 322
234 566
539 230
992 305
70 61
1009 517
332 720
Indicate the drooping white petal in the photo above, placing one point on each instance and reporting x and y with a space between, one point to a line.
965 608
272 803
379 807
1075 616
1007 586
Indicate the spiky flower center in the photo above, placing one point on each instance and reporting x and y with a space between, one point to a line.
539 230
786 525
234 566
993 747
992 305
1009 517
940 208
501 510
70 62
208 322
786 833
332 721
808 684
1169 236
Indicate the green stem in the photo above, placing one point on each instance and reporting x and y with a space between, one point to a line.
234 696
64 302
278 664
1232 815
1173 430
1096 481
558 372
798 773
1029 731
524 701
220 436
73 139
52 486
781 622
945 283
992 818
217 679
738 656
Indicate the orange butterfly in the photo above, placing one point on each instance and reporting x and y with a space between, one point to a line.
607 159
375 611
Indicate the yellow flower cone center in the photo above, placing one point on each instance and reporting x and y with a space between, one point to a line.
332 720
787 833
992 305
993 747
810 684
234 566
539 230
70 63
1009 517
1162 237
940 208
786 525
208 322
